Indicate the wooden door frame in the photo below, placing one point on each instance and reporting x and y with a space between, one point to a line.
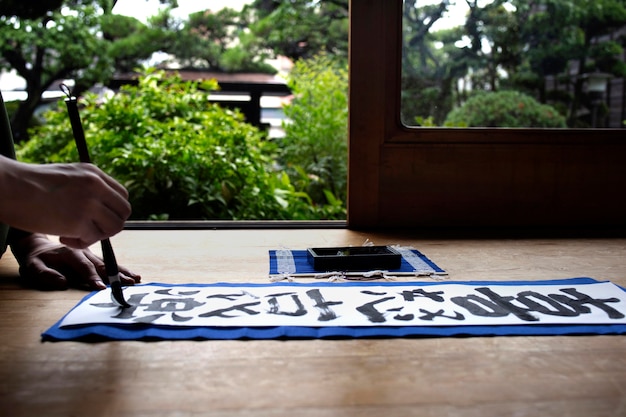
479 177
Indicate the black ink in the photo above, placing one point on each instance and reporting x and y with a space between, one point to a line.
233 297
402 317
479 306
372 292
168 291
164 305
506 303
105 305
578 303
543 307
436 296
403 306
411 295
430 316
148 319
275 307
179 318
243 308
173 304
496 305
135 302
369 310
326 313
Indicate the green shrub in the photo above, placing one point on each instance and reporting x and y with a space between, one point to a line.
180 156
314 150
505 109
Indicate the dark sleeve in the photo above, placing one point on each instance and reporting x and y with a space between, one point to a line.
4 232
7 235
6 136
6 148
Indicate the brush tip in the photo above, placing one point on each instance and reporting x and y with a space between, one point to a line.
117 295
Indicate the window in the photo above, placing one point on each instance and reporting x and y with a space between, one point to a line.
511 63
457 177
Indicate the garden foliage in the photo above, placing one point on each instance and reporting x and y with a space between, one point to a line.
180 156
314 150
504 109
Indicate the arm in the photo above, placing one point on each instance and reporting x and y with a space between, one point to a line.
77 202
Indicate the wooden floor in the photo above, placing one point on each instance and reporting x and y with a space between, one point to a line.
466 376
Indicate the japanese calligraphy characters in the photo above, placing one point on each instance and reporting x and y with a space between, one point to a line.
237 305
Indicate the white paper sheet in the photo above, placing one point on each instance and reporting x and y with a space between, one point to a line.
371 305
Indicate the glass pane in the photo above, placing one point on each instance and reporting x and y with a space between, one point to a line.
514 63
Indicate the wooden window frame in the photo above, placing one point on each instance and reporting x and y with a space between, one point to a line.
478 177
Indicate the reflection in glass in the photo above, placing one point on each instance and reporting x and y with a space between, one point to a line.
514 63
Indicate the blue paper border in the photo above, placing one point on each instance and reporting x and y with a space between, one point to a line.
106 332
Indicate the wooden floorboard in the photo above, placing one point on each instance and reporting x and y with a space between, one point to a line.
457 376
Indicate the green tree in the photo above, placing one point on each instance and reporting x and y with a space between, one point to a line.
68 41
440 65
512 44
219 41
504 109
46 49
314 150
565 40
426 77
301 28
131 42
180 156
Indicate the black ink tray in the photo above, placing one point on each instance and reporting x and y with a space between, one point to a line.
354 258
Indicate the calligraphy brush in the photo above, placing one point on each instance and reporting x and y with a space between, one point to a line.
110 264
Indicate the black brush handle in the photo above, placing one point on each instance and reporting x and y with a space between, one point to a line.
108 256
77 129
110 264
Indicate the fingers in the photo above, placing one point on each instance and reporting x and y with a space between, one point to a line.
88 275
77 201
77 267
47 265
112 194
37 275
91 235
107 205
127 277
112 217
116 189
100 210
111 182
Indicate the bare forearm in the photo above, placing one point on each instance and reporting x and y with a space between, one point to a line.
77 202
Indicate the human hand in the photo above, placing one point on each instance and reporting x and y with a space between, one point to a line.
47 265
77 202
